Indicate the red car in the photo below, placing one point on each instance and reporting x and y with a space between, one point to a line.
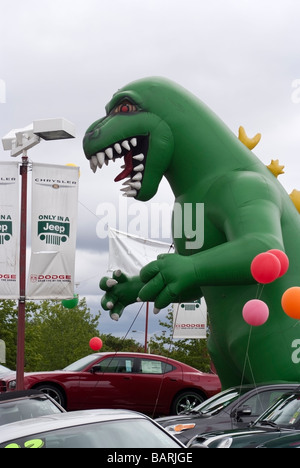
147 383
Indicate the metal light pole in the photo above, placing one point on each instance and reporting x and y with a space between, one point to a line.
22 297
18 142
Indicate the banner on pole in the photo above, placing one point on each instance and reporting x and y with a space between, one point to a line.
9 230
190 320
130 253
53 232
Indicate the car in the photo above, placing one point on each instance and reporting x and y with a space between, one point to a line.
17 406
148 383
285 441
90 429
234 408
4 370
280 420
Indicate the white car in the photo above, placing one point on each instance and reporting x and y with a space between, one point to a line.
88 429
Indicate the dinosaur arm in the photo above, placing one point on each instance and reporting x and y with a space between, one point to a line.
249 215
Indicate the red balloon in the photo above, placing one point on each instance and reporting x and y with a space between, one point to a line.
96 343
283 258
265 267
255 312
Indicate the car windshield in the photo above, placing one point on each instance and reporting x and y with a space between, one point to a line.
134 433
218 402
18 410
284 413
81 363
4 370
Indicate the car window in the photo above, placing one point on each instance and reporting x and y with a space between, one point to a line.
132 433
18 410
153 366
262 400
116 365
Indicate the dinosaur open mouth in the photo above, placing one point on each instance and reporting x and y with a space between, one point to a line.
134 151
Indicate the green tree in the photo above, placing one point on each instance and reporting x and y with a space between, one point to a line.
54 336
59 336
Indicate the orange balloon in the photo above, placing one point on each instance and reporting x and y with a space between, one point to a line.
290 302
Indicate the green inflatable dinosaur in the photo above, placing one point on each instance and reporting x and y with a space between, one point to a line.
160 129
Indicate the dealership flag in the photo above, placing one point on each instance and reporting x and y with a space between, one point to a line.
9 230
190 320
130 253
53 232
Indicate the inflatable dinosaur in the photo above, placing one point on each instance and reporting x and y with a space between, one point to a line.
160 129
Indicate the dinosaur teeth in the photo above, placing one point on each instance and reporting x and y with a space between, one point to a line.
139 157
126 145
100 159
138 176
118 148
122 149
109 153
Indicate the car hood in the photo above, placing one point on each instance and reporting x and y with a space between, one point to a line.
238 438
178 419
12 375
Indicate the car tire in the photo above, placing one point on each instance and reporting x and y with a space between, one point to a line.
186 401
54 392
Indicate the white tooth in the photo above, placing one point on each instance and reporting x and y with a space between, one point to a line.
136 185
94 163
131 193
100 158
125 189
139 168
125 145
109 153
133 141
139 157
118 148
127 182
138 176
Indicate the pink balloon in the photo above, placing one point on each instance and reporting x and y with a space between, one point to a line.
96 343
283 258
265 267
255 312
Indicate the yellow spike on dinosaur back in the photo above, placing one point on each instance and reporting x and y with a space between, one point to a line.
249 142
275 167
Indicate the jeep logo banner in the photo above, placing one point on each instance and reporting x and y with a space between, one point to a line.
53 232
9 230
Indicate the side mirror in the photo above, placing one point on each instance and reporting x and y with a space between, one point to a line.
95 369
242 411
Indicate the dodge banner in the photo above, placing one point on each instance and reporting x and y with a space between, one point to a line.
9 230
53 232
190 320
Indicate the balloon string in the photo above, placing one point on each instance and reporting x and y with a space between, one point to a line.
246 356
259 291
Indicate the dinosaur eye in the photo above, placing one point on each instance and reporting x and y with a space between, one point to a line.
125 107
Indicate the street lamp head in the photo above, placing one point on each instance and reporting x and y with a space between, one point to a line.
54 129
19 140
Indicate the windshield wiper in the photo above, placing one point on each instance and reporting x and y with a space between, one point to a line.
265 422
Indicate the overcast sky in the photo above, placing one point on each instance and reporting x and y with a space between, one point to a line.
63 58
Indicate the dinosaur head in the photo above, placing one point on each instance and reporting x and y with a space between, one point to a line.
134 130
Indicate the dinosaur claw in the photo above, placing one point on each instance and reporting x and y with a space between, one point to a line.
115 317
110 305
111 282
